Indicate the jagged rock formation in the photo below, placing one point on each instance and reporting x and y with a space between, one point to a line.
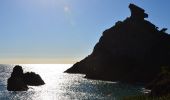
137 13
132 50
19 81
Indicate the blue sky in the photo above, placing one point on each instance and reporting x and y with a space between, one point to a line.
64 31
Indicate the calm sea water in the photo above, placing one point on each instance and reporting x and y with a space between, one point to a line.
63 86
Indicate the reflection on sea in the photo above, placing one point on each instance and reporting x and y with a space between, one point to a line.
63 86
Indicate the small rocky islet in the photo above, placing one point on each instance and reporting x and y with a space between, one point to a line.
132 51
20 81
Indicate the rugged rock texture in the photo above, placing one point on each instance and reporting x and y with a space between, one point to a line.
132 50
19 81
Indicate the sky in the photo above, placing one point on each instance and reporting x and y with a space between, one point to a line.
64 31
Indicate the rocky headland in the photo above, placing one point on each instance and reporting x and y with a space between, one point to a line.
133 50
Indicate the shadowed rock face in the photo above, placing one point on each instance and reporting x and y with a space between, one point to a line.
160 85
132 50
33 79
137 13
19 81
15 82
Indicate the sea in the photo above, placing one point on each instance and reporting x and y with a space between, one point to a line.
64 86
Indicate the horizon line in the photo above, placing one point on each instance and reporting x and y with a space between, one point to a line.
36 61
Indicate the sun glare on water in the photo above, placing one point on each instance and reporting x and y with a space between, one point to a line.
49 72
52 74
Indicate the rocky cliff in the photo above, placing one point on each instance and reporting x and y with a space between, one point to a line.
132 50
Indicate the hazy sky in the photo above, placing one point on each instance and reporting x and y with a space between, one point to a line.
64 31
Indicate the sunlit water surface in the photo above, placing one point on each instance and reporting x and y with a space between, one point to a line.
63 86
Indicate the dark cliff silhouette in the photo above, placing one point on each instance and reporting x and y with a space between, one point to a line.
19 81
132 50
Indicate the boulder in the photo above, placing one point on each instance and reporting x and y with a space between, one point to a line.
132 50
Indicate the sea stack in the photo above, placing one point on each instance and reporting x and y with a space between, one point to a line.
16 81
19 81
132 50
